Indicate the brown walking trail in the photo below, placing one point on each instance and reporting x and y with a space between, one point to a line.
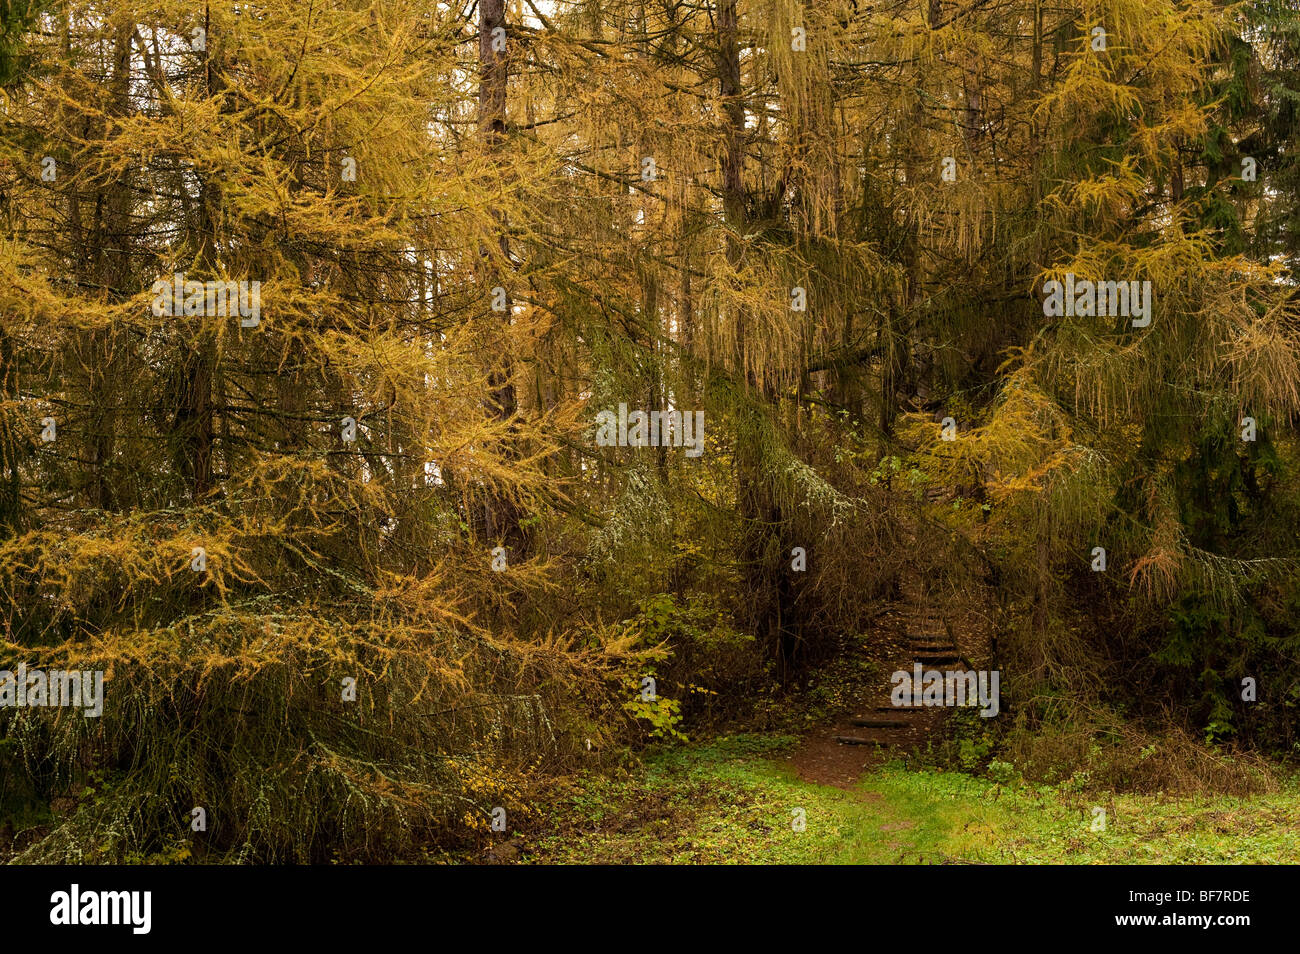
910 633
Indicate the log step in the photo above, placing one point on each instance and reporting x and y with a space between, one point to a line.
879 723
937 658
854 740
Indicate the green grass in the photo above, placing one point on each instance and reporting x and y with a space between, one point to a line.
733 801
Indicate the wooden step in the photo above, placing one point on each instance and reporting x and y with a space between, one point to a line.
854 740
936 658
879 723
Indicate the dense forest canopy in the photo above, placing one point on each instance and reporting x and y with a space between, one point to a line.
393 390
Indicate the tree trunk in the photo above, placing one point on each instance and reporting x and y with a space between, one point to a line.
502 518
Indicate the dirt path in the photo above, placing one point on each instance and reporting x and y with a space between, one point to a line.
913 633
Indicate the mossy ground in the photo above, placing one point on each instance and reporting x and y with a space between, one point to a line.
733 800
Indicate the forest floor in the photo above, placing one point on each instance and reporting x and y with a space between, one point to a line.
802 796
738 799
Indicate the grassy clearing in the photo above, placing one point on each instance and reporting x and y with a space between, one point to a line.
732 801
